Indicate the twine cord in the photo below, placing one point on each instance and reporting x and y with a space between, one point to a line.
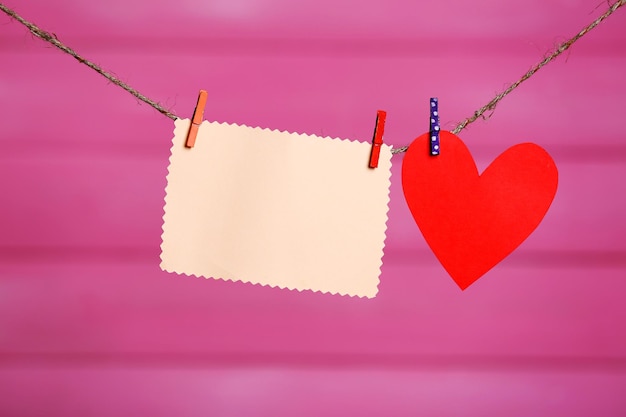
545 61
50 38
480 113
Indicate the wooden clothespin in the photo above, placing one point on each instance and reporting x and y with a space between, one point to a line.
377 142
434 127
198 115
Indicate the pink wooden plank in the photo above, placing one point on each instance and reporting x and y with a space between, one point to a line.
573 109
297 392
103 307
393 19
104 202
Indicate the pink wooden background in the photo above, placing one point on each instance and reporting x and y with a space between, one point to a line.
90 326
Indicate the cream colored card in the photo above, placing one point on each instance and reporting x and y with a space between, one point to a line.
276 208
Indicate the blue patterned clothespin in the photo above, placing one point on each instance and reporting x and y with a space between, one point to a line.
434 127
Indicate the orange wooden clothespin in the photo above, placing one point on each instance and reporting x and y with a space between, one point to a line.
198 115
378 138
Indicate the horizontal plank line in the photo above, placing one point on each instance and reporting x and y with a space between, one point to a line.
521 258
78 254
399 362
526 258
30 147
292 46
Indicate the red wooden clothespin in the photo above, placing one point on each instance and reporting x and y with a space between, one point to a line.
198 115
378 138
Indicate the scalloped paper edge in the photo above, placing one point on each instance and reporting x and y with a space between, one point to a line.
183 125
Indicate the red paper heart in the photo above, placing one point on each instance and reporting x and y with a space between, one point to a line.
471 222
